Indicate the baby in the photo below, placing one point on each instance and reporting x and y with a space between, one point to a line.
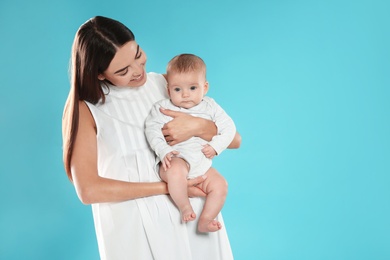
187 87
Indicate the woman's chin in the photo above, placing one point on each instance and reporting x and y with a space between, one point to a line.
138 82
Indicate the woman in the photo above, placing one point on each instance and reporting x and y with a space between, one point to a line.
107 157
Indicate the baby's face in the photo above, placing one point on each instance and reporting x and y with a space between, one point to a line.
187 89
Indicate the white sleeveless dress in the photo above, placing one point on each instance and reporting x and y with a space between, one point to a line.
146 228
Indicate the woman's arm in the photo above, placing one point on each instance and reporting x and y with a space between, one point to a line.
236 143
90 187
184 126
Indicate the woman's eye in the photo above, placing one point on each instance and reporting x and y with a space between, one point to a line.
124 72
139 55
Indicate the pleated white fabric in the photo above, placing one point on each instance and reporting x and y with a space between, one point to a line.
146 228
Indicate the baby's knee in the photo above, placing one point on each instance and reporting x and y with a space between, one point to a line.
224 186
178 167
179 164
220 187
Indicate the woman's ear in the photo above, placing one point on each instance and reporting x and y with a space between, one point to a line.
101 77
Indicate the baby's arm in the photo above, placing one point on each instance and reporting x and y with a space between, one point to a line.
153 125
226 128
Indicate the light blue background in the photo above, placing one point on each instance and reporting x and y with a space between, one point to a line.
307 83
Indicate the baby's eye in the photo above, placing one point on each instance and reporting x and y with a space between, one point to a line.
176 89
193 87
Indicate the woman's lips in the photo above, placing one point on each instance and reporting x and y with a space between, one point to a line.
139 78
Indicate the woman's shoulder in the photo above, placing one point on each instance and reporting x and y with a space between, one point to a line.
166 103
158 85
85 114
153 76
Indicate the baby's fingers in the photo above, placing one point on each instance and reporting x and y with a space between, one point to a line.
167 162
164 165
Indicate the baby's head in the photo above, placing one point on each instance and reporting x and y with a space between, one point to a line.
187 84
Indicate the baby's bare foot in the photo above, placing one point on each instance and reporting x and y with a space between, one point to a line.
209 226
187 214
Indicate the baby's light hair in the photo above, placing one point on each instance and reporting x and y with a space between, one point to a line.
186 63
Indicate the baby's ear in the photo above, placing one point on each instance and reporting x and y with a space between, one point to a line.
206 87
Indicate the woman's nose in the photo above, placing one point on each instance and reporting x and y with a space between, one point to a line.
138 69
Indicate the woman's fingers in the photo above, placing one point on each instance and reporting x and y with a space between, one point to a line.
195 192
196 181
169 112
194 189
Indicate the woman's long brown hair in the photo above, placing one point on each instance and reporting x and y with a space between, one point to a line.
94 46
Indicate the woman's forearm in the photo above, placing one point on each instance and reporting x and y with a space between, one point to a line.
103 190
205 129
184 126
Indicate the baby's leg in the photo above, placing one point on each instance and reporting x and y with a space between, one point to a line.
176 178
216 189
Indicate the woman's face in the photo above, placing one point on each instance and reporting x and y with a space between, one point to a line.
127 68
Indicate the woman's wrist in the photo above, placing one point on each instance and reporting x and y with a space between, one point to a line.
205 129
163 188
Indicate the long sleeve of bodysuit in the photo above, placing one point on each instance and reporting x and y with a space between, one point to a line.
153 124
225 125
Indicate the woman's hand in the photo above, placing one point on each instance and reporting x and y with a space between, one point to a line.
179 129
184 126
194 189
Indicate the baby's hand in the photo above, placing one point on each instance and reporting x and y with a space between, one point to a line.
209 151
166 161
